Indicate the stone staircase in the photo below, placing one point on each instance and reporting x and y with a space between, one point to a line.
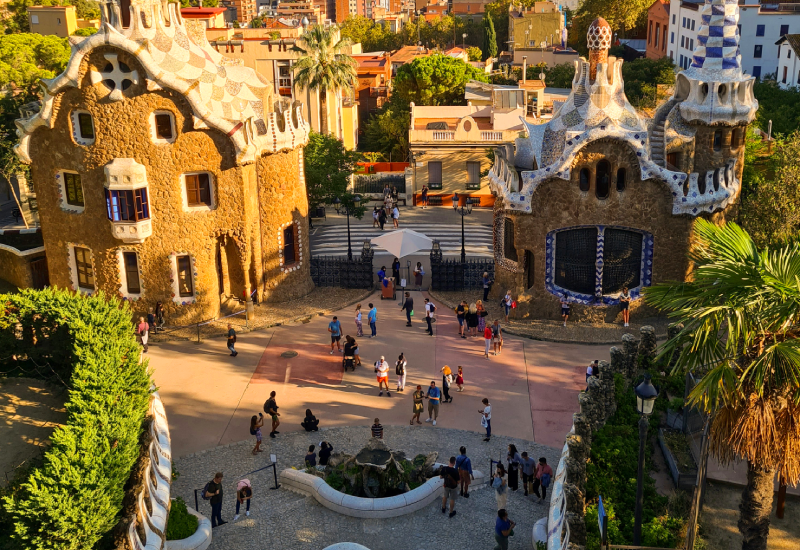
657 153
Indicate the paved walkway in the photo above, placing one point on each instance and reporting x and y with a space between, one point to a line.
210 396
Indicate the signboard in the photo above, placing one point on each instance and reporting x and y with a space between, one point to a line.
602 520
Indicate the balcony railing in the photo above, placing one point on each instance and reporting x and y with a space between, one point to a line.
444 136
491 136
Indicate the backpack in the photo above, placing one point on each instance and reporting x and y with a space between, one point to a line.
433 307
205 491
545 480
449 481
399 368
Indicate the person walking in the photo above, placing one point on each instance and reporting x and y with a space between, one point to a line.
408 306
564 308
396 271
382 372
310 423
450 476
460 379
472 320
461 314
335 328
487 285
375 222
434 395
359 325
377 429
514 461
382 217
396 216
325 451
486 418
542 478
503 529
213 492
232 341
487 341
430 309
151 320
271 408
256 422
424 196
142 333
447 380
419 273
464 467
159 316
482 314
625 303
417 407
244 492
372 317
400 371
497 337
500 486
528 467
507 302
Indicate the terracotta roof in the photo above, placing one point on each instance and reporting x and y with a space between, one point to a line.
192 13
408 53
793 40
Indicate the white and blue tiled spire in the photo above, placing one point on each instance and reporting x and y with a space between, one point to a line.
718 37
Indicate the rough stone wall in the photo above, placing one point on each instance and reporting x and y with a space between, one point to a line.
16 269
558 204
122 130
706 158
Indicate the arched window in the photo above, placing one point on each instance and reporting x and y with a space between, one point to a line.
622 177
602 179
584 180
717 143
509 250
736 138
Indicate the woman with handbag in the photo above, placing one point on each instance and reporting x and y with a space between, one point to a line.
500 486
514 461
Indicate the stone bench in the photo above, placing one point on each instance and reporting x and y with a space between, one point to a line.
374 508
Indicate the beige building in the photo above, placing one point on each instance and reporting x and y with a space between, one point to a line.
57 20
529 27
451 146
209 17
273 58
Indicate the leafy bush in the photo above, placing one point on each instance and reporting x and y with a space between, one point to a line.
76 495
676 404
181 524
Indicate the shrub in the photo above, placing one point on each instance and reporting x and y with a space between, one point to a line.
181 524
676 404
76 495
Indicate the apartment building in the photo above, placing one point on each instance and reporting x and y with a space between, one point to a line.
657 29
57 20
529 27
760 25
789 61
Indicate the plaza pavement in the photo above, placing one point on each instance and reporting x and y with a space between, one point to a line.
210 396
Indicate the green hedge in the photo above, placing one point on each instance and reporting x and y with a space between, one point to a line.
181 523
75 496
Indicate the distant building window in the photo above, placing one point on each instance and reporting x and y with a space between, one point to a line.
622 176
34 19
757 51
658 32
185 282
759 30
693 24
650 33
58 20
163 126
784 30
583 178
473 175
757 71
198 190
435 175
683 22
785 74
673 18
683 41
691 43
127 205
717 140
672 38
602 177
73 188
83 267
130 262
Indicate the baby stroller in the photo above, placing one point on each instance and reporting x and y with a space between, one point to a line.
349 362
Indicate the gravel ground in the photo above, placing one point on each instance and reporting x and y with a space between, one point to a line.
320 301
582 332
286 521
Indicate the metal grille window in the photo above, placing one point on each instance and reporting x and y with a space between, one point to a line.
83 265
129 205
131 263
85 126
74 189
185 283
289 244
435 175
576 256
198 189
509 250
473 175
622 260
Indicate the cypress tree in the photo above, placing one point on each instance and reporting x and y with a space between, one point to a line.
489 38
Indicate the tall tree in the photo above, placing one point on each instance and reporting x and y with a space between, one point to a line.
324 65
489 38
387 131
622 16
740 334
434 80
328 166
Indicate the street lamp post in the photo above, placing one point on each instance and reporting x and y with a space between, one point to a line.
337 203
465 210
646 395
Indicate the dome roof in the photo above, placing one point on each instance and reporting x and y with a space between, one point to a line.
598 37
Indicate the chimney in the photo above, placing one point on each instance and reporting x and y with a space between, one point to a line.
524 67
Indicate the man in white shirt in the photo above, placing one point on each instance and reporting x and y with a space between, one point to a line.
382 372
430 309
486 421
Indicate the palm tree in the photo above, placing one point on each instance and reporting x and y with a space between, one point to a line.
324 65
741 334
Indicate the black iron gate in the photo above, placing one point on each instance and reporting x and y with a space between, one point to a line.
457 275
341 272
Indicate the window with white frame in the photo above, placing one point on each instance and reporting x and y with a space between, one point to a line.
82 269
130 274
82 127
71 191
162 127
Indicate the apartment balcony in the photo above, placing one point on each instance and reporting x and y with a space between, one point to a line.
474 136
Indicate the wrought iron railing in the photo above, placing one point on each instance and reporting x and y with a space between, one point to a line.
375 183
341 272
448 275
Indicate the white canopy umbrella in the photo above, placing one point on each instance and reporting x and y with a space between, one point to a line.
403 242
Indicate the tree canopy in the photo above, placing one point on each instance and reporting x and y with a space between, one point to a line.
17 12
434 80
323 63
328 166
782 107
622 16
489 38
386 131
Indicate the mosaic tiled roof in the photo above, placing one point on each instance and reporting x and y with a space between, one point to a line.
223 94
718 38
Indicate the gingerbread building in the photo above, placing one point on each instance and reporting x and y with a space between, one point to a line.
163 173
600 198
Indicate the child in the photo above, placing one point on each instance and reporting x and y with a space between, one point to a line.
244 492
255 429
460 379
377 429
311 457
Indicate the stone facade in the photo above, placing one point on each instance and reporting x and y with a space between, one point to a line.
600 198
222 173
